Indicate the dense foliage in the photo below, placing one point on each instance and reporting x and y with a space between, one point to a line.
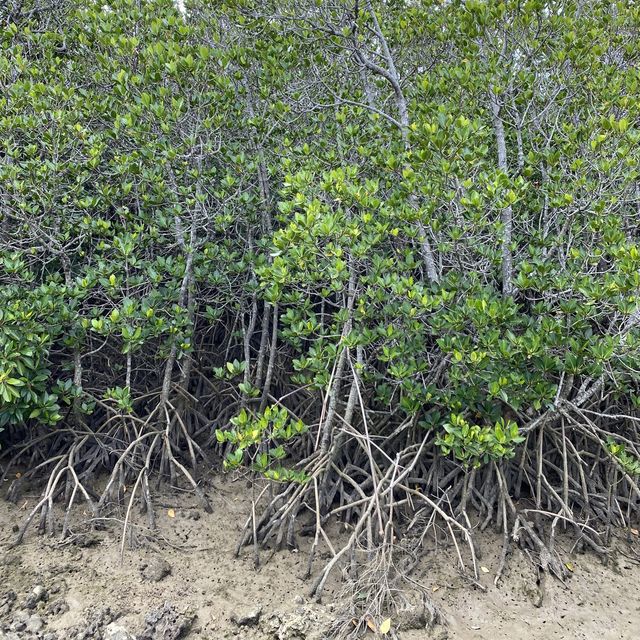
382 251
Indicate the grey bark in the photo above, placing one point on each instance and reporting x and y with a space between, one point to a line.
506 215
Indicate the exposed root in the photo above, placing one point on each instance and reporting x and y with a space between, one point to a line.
387 483
382 588
131 455
562 477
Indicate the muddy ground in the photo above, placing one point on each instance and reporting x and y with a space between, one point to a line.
183 582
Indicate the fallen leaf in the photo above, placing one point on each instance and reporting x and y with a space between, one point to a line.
385 626
171 513
18 475
372 625
569 566
484 569
434 589
634 531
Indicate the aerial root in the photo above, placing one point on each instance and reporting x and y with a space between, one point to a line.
131 463
420 495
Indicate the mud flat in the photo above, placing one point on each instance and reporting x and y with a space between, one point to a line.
183 582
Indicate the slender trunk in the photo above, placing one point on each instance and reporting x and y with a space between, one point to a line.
267 227
334 392
390 73
264 341
182 301
248 334
506 215
272 360
77 356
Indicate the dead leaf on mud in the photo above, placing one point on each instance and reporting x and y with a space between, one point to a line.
171 513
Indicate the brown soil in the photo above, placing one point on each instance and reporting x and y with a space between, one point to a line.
191 557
